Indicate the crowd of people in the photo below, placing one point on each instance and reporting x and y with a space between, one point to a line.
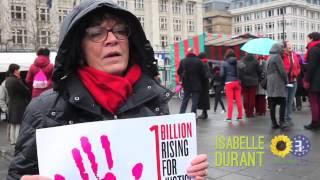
283 78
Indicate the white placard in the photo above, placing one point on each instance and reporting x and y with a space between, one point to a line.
150 148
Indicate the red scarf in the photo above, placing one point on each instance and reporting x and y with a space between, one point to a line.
110 91
309 46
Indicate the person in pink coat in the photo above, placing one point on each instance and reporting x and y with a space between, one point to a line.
42 62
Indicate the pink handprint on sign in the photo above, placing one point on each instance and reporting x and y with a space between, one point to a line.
86 147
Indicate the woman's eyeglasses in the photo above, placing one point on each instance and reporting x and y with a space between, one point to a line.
99 34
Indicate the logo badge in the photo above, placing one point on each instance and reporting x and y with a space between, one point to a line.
301 145
281 145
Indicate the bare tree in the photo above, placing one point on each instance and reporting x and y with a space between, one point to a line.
5 37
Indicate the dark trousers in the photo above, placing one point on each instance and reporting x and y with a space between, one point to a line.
314 98
299 102
273 102
218 97
249 99
261 104
194 98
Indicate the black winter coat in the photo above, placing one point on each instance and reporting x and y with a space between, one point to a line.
313 69
250 73
19 98
76 105
204 99
228 70
191 72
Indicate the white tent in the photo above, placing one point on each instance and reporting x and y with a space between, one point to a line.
22 59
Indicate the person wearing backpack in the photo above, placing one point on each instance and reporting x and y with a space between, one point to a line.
40 73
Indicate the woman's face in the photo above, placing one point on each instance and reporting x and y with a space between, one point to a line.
106 47
289 46
308 39
17 73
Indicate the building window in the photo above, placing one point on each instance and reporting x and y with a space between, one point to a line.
318 27
302 24
257 15
258 28
280 24
177 38
176 24
238 18
62 14
238 30
191 25
294 23
43 14
271 36
141 19
313 27
19 36
18 12
176 7
138 4
270 26
312 15
269 13
123 3
164 40
280 36
294 11
163 6
247 17
190 8
247 29
281 11
302 36
294 35
301 12
44 37
163 23
0 36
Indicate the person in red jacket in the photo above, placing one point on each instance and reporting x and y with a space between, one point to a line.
42 62
292 68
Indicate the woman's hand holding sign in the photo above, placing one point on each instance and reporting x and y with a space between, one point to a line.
199 167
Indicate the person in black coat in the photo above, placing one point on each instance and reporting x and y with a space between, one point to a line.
103 71
249 73
204 99
301 92
19 98
218 85
312 79
191 71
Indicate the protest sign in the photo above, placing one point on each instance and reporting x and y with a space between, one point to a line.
157 148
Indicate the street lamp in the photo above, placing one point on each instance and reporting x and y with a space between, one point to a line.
283 24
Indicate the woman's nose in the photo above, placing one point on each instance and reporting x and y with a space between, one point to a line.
111 38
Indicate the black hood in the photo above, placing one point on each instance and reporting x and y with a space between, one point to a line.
67 59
